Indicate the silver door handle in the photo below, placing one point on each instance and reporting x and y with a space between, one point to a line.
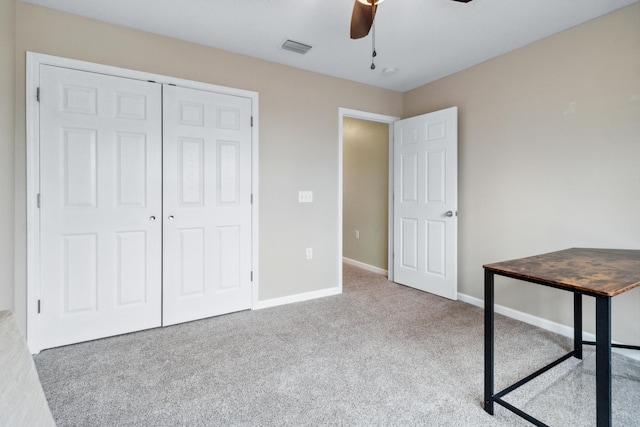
152 218
170 217
449 214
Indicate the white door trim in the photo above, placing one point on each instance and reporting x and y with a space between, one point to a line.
34 60
372 117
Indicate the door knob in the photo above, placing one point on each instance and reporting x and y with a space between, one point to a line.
171 217
152 218
449 214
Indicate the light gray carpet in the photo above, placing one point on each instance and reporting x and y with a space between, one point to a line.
380 354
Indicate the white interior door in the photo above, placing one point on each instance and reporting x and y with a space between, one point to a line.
207 204
425 202
100 172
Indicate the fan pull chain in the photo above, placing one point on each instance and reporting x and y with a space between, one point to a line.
373 46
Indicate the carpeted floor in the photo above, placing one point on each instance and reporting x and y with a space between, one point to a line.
380 354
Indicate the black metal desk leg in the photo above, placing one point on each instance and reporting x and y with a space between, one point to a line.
577 324
603 361
488 341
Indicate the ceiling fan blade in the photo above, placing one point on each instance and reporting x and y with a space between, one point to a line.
362 19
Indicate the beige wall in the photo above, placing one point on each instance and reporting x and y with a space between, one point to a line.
7 100
298 136
365 191
549 153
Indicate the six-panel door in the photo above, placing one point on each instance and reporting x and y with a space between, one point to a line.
100 169
425 202
207 204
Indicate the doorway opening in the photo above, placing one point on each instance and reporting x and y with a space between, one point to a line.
365 188
423 216
365 191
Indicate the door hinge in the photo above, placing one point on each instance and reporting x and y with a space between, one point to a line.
252 276
251 198
38 306
38 94
38 200
251 121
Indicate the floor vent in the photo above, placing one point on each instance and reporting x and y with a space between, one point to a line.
296 47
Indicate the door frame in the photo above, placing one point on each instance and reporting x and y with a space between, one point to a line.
34 60
371 117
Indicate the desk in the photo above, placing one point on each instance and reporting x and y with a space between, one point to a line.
600 273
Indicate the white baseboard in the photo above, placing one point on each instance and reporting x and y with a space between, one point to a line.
274 302
364 266
558 328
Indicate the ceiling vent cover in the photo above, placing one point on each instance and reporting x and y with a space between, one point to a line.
296 47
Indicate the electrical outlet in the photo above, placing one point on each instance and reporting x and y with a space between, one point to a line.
305 196
357 234
309 253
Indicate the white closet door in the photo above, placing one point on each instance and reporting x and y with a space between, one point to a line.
100 169
206 204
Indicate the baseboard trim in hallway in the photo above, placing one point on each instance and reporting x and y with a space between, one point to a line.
364 266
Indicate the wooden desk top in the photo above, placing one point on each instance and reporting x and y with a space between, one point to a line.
606 272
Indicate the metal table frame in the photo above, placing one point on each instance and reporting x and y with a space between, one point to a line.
603 349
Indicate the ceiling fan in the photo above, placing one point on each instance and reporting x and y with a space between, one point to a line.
363 13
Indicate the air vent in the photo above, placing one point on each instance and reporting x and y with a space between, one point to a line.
296 47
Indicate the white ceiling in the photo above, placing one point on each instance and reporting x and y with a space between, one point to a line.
424 39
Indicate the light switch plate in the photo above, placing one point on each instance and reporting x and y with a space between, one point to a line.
305 196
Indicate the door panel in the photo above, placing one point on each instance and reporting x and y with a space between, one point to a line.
133 275
190 174
100 151
80 274
409 183
131 158
192 262
425 177
409 245
207 204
